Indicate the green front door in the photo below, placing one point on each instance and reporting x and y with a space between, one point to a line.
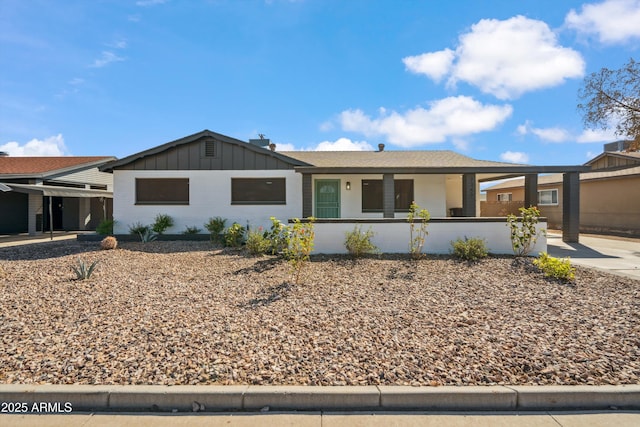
327 198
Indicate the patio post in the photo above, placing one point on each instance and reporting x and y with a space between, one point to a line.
530 190
388 196
571 207
469 194
307 195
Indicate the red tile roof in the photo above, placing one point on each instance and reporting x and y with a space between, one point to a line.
39 165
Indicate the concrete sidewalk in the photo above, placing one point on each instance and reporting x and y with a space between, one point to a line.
613 255
333 419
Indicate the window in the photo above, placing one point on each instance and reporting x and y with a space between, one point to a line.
258 191
505 197
548 197
162 191
372 195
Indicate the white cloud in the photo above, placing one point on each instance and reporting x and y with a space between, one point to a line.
343 144
514 157
599 135
285 146
504 58
435 64
52 146
612 21
445 118
553 134
106 58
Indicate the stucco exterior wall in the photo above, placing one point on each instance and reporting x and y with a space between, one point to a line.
394 237
611 205
209 196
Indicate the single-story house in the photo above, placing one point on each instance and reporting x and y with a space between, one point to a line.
609 195
53 193
208 174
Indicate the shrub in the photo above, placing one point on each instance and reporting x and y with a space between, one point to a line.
523 231
417 234
299 246
105 227
161 223
82 271
558 268
257 243
277 236
147 236
234 235
108 242
469 249
216 226
138 228
358 242
191 230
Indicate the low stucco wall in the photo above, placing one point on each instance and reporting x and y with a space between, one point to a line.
392 235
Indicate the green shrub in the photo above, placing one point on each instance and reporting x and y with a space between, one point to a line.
234 235
105 227
216 226
257 243
358 242
417 234
523 230
558 268
191 230
161 223
84 272
138 228
276 236
147 236
470 249
299 246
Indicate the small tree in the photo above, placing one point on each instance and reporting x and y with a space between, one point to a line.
612 97
524 233
299 246
417 233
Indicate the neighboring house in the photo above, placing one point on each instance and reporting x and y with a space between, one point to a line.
53 193
609 195
208 174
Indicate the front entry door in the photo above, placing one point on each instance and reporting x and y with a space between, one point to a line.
328 198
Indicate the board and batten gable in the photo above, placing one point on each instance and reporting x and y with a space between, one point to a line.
209 162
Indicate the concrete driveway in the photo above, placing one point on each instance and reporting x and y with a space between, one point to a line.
614 255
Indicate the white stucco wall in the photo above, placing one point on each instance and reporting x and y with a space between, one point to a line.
394 237
209 196
429 192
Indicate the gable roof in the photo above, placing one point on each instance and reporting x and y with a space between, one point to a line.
40 167
109 167
634 156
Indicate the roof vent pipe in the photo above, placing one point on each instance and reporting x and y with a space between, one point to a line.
272 147
380 147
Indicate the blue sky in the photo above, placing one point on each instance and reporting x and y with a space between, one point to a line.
494 80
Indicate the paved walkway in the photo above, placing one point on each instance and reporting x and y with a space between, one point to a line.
335 419
614 255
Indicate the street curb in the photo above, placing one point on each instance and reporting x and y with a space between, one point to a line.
327 398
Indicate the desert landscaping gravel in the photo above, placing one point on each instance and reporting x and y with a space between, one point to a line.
191 313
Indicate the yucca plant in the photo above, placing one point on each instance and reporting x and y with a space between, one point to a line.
82 271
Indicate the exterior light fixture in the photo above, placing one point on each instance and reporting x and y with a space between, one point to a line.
348 185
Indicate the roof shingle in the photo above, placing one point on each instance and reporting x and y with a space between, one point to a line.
41 165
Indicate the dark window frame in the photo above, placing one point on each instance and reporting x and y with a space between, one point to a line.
371 205
159 187
252 188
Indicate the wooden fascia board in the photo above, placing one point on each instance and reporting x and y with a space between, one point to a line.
512 171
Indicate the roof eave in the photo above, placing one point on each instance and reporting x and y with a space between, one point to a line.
522 170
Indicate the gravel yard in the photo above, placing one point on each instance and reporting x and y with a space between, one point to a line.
188 313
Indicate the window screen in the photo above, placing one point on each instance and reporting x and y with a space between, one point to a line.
372 195
162 191
258 191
